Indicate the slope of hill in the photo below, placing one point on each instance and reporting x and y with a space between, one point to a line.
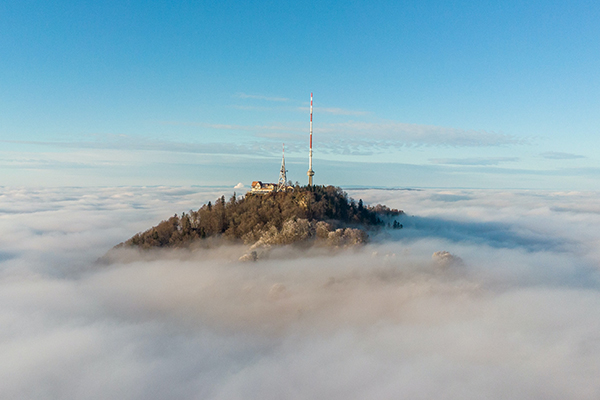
307 215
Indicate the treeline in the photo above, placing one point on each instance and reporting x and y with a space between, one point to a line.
258 215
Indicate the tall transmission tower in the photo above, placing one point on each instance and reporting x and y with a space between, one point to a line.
282 184
310 172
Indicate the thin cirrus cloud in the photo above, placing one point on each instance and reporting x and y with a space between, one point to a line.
421 135
251 108
241 95
234 127
557 155
351 138
378 134
504 283
341 111
334 111
327 110
129 143
41 163
473 161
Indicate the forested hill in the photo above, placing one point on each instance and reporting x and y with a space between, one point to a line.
307 213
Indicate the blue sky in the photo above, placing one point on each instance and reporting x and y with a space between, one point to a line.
406 94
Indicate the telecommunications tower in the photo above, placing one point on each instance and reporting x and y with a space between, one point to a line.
310 172
282 184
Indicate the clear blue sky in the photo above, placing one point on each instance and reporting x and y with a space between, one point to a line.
406 93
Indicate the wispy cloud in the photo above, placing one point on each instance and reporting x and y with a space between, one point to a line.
234 127
474 160
41 163
281 136
133 143
421 135
241 95
557 155
389 134
251 108
341 111
334 111
208 125
351 138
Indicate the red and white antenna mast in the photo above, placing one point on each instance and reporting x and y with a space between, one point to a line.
310 172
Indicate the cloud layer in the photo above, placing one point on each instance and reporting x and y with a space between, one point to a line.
474 160
338 138
510 311
557 155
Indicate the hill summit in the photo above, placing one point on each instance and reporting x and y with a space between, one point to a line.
307 215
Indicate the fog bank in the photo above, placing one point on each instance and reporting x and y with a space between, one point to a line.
483 294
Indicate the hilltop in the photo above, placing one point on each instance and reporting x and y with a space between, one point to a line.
305 216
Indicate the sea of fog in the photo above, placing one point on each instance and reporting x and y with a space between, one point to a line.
482 295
